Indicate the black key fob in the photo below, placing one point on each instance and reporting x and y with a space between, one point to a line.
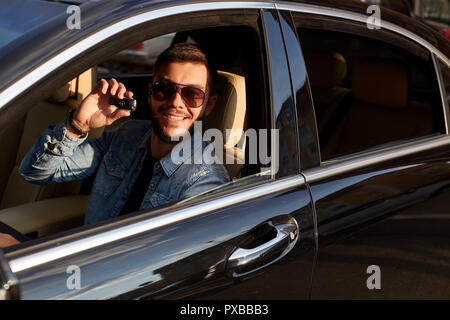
126 103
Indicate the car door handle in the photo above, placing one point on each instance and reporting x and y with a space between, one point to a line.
244 261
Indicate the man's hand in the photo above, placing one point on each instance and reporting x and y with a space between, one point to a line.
7 240
95 110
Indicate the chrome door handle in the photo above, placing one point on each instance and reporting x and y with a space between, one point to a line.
244 261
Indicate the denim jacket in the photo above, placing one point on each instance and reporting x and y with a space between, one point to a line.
116 159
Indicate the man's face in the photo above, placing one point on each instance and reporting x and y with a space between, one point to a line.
174 116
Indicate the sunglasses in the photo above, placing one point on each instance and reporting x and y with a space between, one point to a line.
164 89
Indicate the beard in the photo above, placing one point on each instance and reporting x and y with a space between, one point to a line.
165 137
162 135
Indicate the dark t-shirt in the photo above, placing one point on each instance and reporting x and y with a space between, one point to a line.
141 185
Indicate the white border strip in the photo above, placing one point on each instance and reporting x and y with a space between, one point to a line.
47 67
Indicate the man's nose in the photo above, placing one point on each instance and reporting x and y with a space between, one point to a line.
177 100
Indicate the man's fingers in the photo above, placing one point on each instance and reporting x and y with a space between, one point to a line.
121 91
102 86
120 113
113 86
7 240
128 94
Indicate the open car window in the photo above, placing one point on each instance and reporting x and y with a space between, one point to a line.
38 211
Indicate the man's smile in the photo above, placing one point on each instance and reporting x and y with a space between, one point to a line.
173 117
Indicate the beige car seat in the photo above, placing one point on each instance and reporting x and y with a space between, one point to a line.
28 207
51 208
326 71
48 112
380 112
229 114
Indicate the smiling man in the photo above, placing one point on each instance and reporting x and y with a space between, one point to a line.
132 166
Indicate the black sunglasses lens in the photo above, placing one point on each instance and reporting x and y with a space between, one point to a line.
162 91
194 97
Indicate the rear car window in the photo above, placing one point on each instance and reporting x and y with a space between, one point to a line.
369 87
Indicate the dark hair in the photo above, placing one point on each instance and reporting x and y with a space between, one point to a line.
187 52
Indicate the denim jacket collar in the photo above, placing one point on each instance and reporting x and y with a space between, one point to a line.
168 166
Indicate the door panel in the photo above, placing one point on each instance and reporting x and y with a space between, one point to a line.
393 215
382 217
185 258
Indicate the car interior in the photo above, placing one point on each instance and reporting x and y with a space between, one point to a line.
38 211
367 92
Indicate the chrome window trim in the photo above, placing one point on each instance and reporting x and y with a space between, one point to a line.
28 80
437 69
338 13
331 168
47 255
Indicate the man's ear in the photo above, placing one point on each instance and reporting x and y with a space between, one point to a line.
210 105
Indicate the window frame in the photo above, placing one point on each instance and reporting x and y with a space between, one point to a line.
437 65
65 243
388 150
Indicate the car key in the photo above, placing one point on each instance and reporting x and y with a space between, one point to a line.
126 103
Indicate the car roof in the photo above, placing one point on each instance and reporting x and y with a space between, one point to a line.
44 36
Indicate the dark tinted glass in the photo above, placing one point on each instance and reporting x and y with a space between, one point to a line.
164 90
370 87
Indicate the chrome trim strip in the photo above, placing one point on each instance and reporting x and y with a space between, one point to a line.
337 13
47 255
332 168
50 65
273 151
440 80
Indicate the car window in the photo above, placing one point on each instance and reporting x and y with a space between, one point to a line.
242 106
243 157
370 87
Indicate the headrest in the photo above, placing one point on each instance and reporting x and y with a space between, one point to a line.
229 111
78 88
381 82
62 94
325 69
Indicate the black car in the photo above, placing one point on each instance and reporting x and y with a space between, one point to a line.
352 204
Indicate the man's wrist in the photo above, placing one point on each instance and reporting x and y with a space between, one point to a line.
79 124
74 127
70 130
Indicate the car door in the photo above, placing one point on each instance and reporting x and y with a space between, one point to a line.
251 240
381 207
